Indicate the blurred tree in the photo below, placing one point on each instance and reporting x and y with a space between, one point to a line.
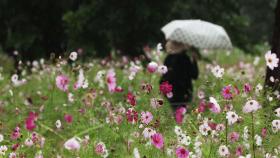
34 28
275 49
37 28
125 25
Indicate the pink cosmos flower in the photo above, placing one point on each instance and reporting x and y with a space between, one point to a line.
132 116
165 87
131 99
214 106
247 88
227 93
182 153
146 117
157 140
212 125
15 146
100 148
30 121
239 151
111 80
16 133
179 114
152 67
233 136
236 90
62 82
68 118
202 106
72 144
118 89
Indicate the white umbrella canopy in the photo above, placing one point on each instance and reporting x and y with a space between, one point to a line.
197 33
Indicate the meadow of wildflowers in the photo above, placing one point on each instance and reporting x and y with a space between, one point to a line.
115 107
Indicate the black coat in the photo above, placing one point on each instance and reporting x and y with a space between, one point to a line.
181 72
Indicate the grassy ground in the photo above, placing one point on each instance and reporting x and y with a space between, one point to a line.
91 117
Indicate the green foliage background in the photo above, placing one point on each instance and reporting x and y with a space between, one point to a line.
37 28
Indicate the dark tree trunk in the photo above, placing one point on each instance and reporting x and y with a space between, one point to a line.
275 49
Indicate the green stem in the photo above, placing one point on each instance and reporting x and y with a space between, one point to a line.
210 149
51 130
226 132
88 130
253 134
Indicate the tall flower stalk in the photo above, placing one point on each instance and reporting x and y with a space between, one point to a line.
253 134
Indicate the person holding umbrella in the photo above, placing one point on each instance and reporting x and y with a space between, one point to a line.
185 37
182 69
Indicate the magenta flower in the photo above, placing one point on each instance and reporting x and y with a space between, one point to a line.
68 118
62 82
212 125
165 88
227 93
179 114
239 151
132 116
111 80
146 117
201 106
233 136
131 99
247 88
182 153
157 140
30 121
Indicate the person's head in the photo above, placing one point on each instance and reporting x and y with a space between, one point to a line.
173 47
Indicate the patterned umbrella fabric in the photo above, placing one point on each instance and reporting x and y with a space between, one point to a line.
198 33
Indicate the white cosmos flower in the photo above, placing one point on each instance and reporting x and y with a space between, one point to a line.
277 113
259 87
58 124
70 97
162 69
136 153
247 156
73 56
178 130
3 150
218 71
184 139
148 132
276 125
271 60
12 155
223 151
251 106
258 140
232 117
204 129
246 133
72 144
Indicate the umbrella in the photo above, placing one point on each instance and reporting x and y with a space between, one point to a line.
198 33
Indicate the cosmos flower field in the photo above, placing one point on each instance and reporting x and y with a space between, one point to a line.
115 107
